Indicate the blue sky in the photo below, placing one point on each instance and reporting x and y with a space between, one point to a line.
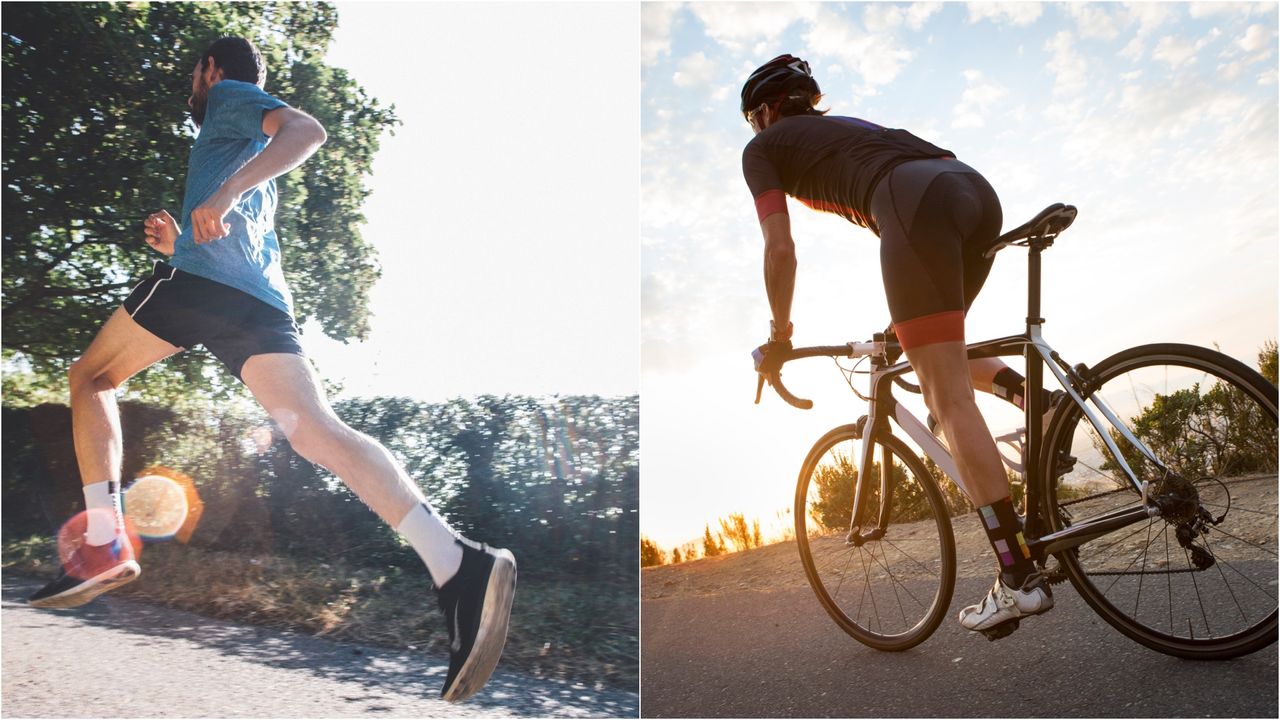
1159 121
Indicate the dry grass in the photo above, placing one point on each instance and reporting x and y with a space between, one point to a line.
571 629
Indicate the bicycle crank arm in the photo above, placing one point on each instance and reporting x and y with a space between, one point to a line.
1091 529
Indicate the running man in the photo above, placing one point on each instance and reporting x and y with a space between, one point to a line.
224 288
935 217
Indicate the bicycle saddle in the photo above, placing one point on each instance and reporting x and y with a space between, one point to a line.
1048 225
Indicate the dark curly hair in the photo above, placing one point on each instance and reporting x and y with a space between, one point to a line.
238 59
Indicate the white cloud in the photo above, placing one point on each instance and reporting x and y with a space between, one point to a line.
1256 38
739 25
1229 72
1242 9
1094 20
1067 66
877 58
1012 13
655 30
880 17
1148 16
1176 51
980 97
694 70
918 13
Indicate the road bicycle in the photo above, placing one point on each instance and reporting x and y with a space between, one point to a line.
1152 488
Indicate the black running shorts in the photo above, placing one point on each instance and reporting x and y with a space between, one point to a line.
187 310
936 217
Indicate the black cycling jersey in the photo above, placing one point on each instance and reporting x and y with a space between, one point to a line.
828 163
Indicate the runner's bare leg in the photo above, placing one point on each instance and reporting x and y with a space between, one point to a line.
121 349
289 391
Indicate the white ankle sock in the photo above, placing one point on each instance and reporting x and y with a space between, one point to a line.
435 542
100 497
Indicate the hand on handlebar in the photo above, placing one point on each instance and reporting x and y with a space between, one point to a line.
769 358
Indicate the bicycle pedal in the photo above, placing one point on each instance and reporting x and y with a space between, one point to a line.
1004 629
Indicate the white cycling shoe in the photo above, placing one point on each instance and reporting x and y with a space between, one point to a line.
1000 611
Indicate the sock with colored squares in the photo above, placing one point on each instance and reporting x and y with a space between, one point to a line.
1011 386
105 516
1004 531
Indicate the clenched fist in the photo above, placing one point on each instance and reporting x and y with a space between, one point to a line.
161 231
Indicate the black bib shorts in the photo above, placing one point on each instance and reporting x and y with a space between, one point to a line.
936 219
188 310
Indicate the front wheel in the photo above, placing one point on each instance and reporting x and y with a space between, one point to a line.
890 593
1198 580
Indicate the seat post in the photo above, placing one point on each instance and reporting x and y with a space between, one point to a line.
1033 285
1034 380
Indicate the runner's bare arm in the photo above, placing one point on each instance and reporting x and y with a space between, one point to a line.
294 134
779 270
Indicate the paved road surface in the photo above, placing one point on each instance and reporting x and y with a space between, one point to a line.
777 654
122 658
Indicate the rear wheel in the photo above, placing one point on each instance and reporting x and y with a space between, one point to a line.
890 593
1199 580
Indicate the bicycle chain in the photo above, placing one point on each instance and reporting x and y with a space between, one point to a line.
1057 575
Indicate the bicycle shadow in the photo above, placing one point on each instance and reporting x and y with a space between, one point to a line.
377 669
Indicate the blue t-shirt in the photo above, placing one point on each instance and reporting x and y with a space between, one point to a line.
248 258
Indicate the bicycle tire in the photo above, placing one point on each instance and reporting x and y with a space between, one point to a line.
1212 420
914 563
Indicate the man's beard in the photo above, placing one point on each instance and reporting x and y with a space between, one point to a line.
198 107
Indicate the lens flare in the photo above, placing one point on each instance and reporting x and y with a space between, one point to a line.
162 503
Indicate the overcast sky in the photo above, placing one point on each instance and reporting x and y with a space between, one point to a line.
504 209
1158 121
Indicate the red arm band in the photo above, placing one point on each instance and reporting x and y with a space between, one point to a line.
770 202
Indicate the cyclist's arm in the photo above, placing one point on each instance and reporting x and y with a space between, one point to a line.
779 269
765 184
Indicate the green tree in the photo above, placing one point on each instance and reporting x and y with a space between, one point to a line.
690 550
96 137
650 553
1267 361
710 546
1197 431
736 530
676 558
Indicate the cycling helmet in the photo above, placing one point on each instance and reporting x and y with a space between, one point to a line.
775 79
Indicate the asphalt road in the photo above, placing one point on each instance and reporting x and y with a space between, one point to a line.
761 653
122 658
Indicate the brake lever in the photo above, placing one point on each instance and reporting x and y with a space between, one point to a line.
759 386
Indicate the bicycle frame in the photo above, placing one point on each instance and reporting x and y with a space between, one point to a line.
1038 354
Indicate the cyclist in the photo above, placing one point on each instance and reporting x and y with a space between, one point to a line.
224 288
935 217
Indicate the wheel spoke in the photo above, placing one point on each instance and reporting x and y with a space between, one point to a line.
1211 422
906 578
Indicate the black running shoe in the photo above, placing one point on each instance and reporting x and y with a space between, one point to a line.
477 606
87 572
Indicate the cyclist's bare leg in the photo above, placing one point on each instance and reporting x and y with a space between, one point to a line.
945 376
288 389
121 349
982 371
